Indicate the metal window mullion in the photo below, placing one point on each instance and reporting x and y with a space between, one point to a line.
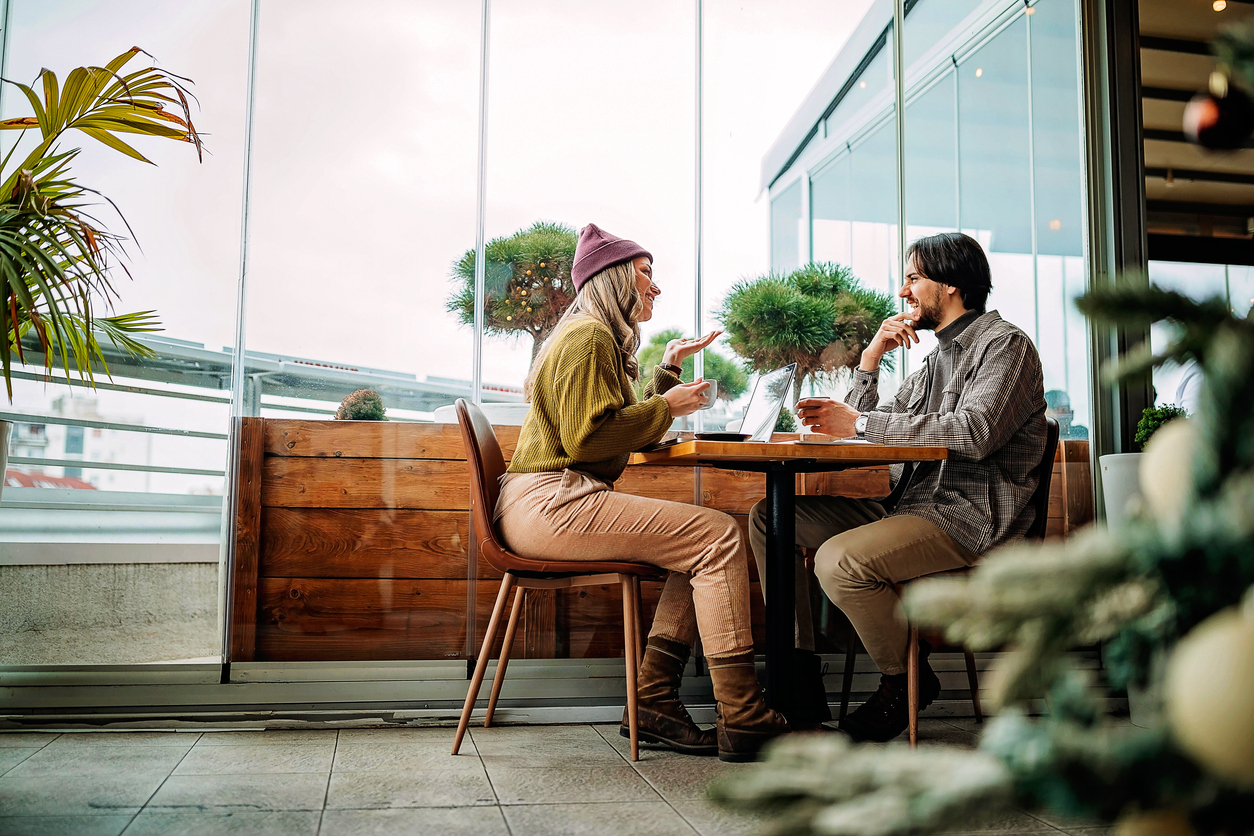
698 360
39 461
957 147
1036 285
226 564
899 99
476 384
22 418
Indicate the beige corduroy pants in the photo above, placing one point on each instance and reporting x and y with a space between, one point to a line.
861 554
570 515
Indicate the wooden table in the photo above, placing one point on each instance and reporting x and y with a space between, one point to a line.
781 462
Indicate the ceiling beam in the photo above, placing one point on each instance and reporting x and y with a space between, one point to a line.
1183 207
1167 94
1175 45
1233 177
1196 249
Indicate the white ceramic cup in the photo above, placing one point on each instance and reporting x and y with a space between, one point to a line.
711 392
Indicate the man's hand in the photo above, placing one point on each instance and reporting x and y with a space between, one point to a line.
823 415
677 351
894 332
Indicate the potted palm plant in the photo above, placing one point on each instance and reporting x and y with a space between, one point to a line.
55 256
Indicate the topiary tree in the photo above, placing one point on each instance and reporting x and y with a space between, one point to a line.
1154 417
527 285
732 380
362 405
818 317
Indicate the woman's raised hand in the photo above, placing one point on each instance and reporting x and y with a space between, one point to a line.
687 398
677 351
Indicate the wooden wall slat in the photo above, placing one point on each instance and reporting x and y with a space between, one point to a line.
671 483
373 439
246 552
365 543
290 482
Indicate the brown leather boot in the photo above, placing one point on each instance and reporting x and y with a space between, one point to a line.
661 717
745 724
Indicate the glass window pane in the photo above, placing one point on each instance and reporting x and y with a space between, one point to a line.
874 85
931 21
112 500
931 161
873 207
831 226
590 121
363 199
786 220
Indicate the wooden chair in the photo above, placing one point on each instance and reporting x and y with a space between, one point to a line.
487 465
1040 502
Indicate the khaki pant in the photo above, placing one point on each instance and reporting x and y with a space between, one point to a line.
570 515
861 554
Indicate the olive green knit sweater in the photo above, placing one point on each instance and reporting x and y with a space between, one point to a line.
584 413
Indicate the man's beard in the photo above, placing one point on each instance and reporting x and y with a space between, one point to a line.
929 316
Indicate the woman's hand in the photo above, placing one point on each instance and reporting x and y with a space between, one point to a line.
677 351
687 398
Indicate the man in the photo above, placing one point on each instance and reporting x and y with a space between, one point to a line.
980 394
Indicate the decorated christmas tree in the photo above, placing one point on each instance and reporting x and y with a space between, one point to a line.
1167 596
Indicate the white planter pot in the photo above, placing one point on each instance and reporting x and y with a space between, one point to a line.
6 431
1121 485
499 414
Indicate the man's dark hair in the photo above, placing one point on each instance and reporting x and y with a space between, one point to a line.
957 260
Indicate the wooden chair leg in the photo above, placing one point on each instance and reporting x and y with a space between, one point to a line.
630 617
912 684
641 634
511 630
472 694
846 685
974 681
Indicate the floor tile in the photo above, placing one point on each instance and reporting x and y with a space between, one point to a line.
438 737
258 758
590 784
63 825
531 747
461 821
645 819
711 820
268 737
685 777
1001 821
216 823
56 760
184 739
648 751
11 757
85 795
1089 827
381 757
26 740
265 792
420 788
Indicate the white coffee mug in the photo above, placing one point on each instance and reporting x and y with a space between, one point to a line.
711 392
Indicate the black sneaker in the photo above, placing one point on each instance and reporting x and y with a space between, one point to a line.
887 714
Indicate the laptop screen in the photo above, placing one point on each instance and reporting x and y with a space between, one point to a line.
767 401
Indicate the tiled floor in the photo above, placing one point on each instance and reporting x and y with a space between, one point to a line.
508 781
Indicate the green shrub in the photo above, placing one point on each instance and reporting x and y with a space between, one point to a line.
1153 418
362 405
732 380
787 422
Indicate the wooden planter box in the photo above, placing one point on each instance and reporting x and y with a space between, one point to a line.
352 543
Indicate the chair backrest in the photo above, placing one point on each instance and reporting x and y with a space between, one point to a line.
487 465
1045 473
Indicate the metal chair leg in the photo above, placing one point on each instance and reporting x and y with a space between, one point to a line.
912 684
630 616
846 685
507 583
973 680
499 679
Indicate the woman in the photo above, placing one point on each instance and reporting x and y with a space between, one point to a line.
558 501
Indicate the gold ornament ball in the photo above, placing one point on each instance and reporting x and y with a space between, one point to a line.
1166 471
1154 823
1210 695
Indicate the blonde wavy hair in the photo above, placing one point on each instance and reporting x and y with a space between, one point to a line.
611 298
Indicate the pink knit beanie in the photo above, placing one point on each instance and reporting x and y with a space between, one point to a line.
597 249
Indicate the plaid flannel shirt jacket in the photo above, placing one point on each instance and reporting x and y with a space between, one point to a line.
992 420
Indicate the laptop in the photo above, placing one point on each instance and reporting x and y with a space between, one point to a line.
769 396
